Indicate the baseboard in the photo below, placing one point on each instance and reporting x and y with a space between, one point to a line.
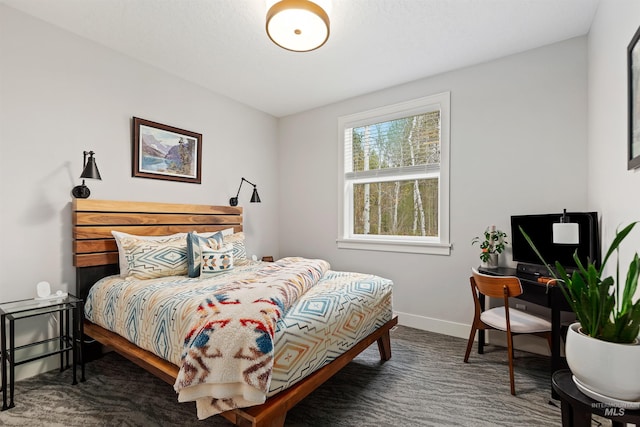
37 367
460 330
528 343
439 326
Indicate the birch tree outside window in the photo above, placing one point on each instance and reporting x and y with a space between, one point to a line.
395 182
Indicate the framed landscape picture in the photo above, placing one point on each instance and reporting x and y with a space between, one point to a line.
633 58
165 152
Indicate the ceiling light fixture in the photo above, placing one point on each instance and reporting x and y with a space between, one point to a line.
298 25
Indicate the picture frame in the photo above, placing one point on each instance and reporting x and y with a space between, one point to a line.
633 60
166 152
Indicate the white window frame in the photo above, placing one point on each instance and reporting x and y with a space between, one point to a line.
439 245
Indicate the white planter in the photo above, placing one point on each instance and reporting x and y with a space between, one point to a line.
608 369
492 262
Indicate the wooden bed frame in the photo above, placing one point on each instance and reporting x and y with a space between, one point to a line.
95 255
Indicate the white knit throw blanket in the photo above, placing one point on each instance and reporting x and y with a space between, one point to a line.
228 353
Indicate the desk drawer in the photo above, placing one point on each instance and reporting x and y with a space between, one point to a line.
535 293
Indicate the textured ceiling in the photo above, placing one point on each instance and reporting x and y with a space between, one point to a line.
374 44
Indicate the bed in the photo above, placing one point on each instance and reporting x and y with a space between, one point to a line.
96 258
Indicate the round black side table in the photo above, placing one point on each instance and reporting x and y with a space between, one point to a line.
578 407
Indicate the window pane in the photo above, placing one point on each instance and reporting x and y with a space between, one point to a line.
394 185
396 208
402 142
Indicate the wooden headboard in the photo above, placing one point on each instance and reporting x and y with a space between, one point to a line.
95 254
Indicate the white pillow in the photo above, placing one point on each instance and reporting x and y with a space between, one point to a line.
122 257
225 232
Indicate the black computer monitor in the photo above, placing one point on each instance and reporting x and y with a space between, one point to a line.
540 228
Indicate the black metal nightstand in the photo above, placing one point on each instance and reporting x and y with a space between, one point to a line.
68 343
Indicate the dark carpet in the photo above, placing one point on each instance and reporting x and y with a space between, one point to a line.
425 383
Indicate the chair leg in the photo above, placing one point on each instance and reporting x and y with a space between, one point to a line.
472 335
510 350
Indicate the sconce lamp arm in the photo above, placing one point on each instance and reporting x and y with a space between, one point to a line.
241 182
255 198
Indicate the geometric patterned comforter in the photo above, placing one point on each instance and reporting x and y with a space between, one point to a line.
332 317
156 314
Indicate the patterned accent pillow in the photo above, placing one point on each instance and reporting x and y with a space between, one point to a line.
122 257
216 261
195 244
239 251
148 259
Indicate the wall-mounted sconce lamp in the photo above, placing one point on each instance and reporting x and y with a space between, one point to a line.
254 197
566 232
90 171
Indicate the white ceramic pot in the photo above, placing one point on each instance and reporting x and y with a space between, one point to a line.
606 368
492 262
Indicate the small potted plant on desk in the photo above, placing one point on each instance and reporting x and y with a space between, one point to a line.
602 348
492 243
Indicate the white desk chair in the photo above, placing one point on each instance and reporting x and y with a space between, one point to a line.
503 318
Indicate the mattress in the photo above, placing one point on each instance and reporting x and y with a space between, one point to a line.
329 319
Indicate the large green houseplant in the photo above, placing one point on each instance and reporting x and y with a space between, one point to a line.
604 310
602 347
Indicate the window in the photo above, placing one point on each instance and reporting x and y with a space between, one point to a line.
394 182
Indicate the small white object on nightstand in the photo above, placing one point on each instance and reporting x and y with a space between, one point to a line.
43 289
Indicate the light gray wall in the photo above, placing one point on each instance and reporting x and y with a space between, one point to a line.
61 94
518 145
614 191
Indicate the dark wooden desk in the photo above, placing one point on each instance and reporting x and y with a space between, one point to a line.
540 294
578 407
